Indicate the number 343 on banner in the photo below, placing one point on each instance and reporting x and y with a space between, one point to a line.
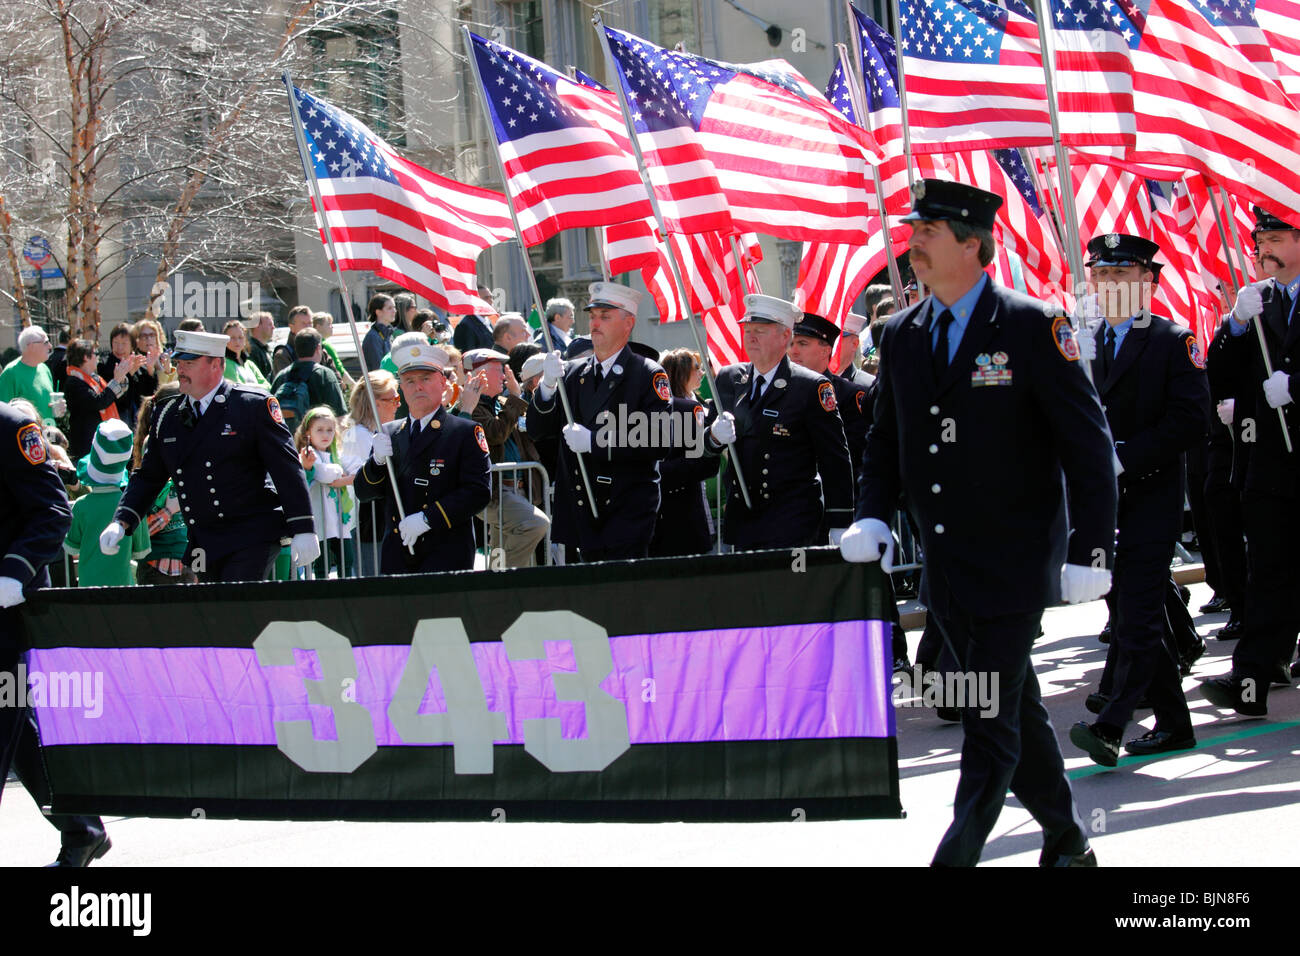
442 645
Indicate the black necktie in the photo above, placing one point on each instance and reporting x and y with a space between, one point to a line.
415 429
599 372
940 357
1108 352
758 390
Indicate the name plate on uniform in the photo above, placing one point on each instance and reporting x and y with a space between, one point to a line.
545 693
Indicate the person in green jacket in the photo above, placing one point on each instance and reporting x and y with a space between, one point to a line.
103 471
238 368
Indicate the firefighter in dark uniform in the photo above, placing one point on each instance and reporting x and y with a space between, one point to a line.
609 392
1270 500
814 338
442 465
1150 376
988 424
240 485
34 519
785 424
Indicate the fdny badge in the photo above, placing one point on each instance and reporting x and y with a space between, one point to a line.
860 397
1194 352
481 438
700 416
1112 241
273 407
660 384
826 395
31 444
1063 336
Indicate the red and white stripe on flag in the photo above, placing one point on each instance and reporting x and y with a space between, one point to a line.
1220 266
1181 293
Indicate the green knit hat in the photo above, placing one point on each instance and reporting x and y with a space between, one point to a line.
109 454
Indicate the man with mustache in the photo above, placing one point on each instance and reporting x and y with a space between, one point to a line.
1269 499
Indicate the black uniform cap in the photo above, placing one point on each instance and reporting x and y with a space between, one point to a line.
1119 249
814 326
955 202
1267 222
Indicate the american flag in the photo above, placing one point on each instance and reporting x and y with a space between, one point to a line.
1094 82
1022 224
1280 21
1201 104
974 75
1241 23
1181 293
1219 266
564 146
753 138
1106 198
395 218
709 273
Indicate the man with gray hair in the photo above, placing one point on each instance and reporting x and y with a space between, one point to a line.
510 330
559 316
29 377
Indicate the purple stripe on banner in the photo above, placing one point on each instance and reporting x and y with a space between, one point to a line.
769 683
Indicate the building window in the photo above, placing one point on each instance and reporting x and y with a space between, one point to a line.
358 69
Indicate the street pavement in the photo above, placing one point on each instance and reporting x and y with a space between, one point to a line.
1231 801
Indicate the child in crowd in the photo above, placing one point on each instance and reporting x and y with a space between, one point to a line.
168 537
332 505
103 471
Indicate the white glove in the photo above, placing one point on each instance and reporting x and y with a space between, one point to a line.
723 429
552 370
382 449
837 535
305 548
1225 409
577 437
1080 583
1087 309
11 592
863 541
1277 390
1249 304
111 537
1087 343
411 527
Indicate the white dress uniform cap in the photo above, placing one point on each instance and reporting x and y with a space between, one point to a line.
192 345
854 323
611 294
768 308
413 351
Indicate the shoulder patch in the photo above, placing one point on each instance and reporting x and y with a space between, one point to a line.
1194 352
826 395
273 407
481 438
661 387
31 444
1063 337
700 416
860 396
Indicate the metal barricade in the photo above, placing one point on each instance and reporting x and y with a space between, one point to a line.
499 480
321 504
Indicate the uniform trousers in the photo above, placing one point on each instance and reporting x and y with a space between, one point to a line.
1140 660
1226 539
1273 594
254 563
1014 749
19 749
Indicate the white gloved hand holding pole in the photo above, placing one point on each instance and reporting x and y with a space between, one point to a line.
723 429
411 527
1277 390
867 540
382 448
1226 409
578 438
552 372
1250 303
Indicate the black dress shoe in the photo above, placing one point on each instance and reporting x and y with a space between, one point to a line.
1104 636
1227 692
902 665
950 714
1185 593
1232 630
1096 702
1101 748
1283 676
1190 656
1159 742
82 855
1086 858
1215 604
